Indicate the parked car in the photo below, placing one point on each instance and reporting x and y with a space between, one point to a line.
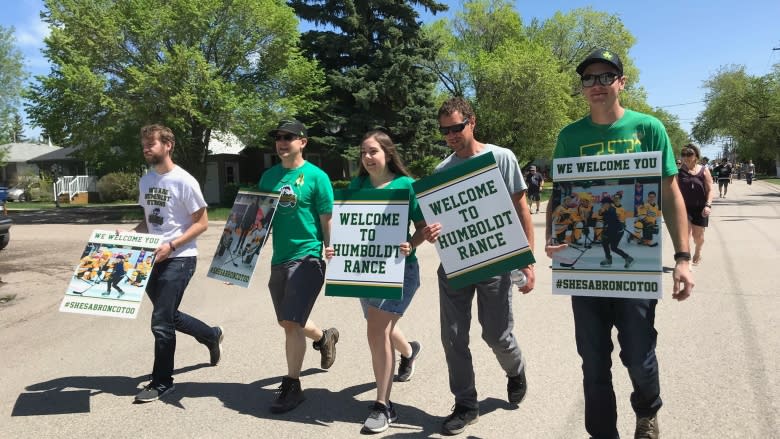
24 192
5 231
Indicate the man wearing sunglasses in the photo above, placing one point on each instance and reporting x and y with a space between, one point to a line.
456 123
301 225
612 129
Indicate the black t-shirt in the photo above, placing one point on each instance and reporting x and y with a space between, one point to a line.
723 171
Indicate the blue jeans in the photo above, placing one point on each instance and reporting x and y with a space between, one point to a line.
398 307
165 288
634 319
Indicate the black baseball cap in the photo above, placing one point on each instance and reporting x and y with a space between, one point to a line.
604 56
291 126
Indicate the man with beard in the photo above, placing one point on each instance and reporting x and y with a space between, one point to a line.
175 210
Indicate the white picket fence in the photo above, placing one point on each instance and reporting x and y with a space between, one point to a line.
74 185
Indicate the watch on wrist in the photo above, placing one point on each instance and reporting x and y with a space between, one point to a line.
682 256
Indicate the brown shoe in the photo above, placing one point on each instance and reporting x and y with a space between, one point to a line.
646 428
327 347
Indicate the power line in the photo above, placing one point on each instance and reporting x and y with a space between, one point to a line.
680 105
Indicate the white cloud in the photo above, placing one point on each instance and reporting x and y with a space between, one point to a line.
32 33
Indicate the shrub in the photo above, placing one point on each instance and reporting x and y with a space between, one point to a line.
423 167
118 186
229 194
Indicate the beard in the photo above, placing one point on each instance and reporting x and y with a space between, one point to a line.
154 159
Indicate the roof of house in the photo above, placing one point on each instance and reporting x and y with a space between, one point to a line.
22 152
58 155
225 143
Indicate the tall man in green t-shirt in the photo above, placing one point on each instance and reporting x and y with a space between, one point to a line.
301 225
612 129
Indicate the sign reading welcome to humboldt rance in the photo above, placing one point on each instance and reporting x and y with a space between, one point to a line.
367 228
481 234
607 209
244 235
110 278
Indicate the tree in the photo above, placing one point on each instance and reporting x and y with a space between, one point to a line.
194 65
12 77
743 109
16 131
372 52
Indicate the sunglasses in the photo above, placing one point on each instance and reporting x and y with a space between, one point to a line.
286 137
604 79
687 153
453 128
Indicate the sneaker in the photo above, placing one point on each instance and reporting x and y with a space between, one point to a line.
646 428
516 388
289 396
153 392
215 349
606 263
406 365
629 262
460 418
379 419
327 347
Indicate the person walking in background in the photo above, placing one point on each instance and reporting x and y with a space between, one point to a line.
457 122
612 129
695 184
174 208
751 172
301 226
723 171
382 168
535 182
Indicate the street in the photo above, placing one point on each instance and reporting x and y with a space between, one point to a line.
71 375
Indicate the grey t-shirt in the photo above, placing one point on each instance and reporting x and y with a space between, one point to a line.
506 161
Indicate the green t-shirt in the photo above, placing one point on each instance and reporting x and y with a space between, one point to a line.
305 193
399 182
634 132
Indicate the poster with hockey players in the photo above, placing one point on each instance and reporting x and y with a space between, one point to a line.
244 234
607 210
110 278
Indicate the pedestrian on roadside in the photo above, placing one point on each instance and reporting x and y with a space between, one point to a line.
175 210
301 225
612 129
751 172
535 182
381 167
723 171
695 184
457 122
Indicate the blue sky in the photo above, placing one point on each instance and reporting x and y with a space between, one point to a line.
679 45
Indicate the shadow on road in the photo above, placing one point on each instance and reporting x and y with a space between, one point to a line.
78 215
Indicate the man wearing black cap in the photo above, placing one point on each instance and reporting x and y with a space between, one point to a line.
300 227
535 182
612 129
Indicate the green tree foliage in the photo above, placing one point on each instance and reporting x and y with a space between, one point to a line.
12 77
744 109
194 65
16 130
372 51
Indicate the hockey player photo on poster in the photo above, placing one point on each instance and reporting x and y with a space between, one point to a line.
244 234
111 276
611 226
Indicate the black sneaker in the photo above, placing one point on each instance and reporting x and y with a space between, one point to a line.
153 392
327 347
516 388
289 396
215 348
379 419
646 428
406 366
460 418
629 262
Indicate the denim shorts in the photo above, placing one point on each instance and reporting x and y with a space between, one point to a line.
411 284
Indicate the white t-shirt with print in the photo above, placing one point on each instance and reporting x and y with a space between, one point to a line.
169 200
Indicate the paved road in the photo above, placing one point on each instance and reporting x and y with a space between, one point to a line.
68 375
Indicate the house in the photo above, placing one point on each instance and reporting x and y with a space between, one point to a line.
222 165
18 163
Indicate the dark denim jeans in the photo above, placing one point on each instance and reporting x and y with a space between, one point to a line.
634 319
165 288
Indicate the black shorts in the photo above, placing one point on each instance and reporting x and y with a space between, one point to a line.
723 182
295 286
534 196
695 217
